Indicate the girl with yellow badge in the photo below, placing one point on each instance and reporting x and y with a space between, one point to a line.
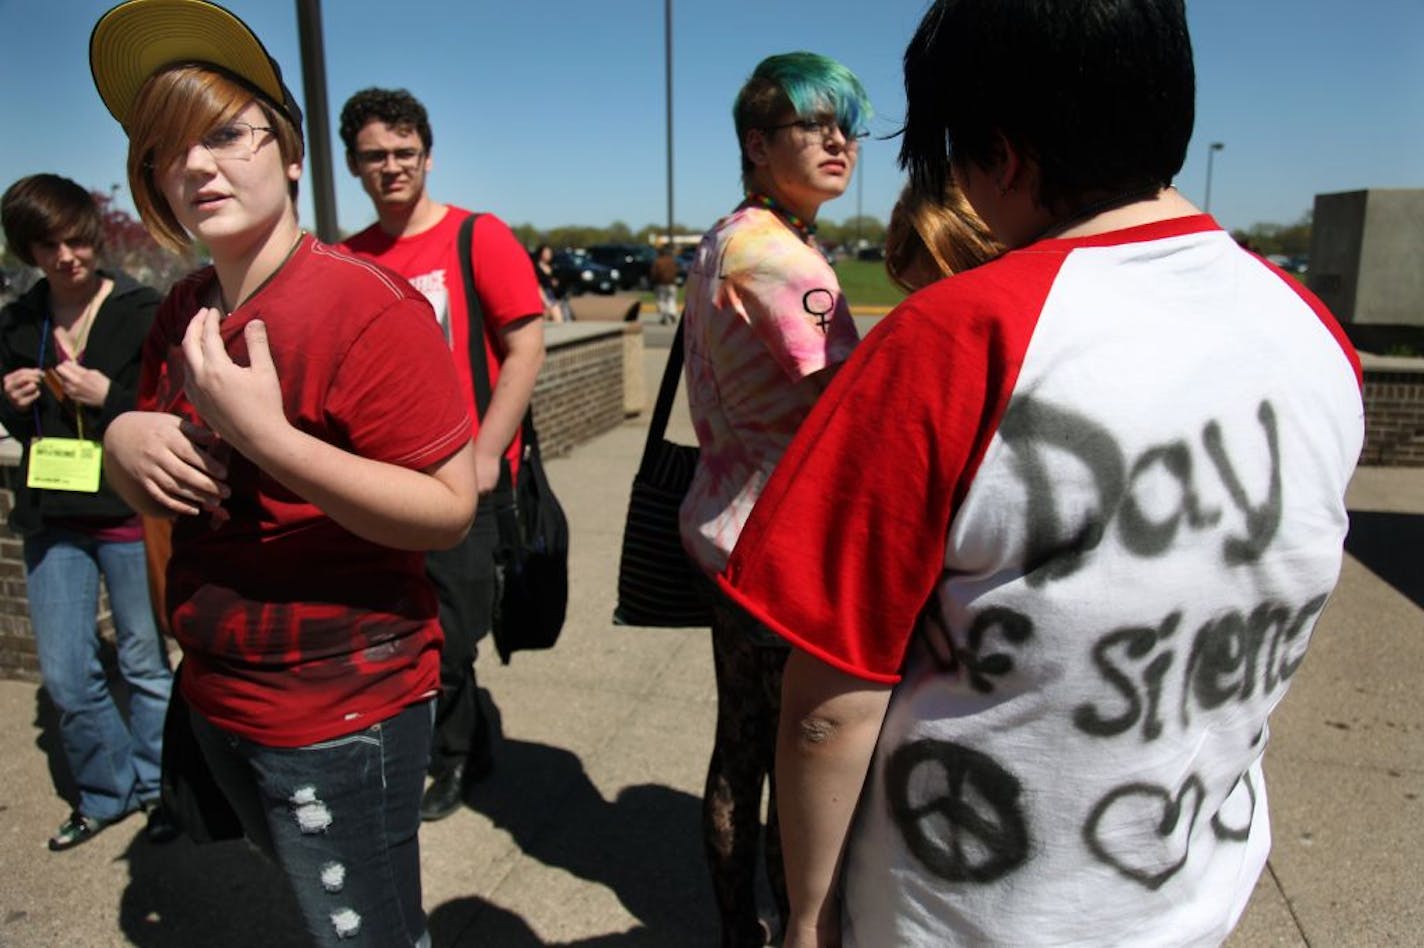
69 354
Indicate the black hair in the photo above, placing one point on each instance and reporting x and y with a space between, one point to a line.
1099 93
395 107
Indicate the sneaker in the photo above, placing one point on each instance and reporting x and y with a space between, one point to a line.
75 830
161 828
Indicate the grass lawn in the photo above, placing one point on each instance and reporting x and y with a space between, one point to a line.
863 281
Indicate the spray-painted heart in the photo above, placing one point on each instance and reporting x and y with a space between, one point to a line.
1143 831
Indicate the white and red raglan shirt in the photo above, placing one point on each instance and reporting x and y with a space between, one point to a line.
1082 506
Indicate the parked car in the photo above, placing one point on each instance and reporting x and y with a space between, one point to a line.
581 274
632 261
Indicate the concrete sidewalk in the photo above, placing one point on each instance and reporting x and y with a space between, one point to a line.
587 834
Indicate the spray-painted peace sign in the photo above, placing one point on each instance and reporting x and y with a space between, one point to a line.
958 811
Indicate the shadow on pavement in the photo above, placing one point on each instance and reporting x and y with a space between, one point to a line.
220 895
1390 545
46 725
645 846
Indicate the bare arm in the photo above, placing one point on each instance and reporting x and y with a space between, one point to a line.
830 722
524 353
384 503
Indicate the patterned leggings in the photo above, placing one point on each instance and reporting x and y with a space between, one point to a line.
748 668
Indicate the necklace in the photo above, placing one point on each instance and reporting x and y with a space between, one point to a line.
807 231
217 286
1094 209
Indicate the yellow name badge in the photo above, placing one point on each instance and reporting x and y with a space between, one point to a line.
65 464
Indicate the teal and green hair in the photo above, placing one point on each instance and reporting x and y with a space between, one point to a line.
807 84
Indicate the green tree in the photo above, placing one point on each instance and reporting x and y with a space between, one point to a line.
865 227
128 246
528 235
1291 240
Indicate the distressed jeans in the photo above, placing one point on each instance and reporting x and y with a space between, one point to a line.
114 763
341 818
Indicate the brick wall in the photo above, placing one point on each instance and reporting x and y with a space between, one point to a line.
580 391
1394 411
579 395
17 646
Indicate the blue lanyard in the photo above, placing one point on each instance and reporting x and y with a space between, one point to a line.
44 339
78 408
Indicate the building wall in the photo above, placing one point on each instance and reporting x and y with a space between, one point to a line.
1391 284
1364 256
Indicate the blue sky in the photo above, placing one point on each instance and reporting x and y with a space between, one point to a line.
552 112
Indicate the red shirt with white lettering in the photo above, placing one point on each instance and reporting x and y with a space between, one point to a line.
295 630
504 279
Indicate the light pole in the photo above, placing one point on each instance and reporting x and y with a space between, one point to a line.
667 59
313 52
1211 151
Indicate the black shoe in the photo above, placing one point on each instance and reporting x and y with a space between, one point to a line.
445 794
161 828
75 830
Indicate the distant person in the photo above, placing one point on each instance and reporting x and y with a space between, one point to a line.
766 328
551 288
280 429
932 237
663 276
69 351
1051 546
388 147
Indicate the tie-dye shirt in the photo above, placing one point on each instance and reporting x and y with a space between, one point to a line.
764 312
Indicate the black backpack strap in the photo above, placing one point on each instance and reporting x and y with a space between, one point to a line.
474 317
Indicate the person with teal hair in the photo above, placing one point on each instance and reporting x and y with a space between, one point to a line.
765 329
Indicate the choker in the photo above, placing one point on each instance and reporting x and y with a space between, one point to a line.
1094 209
807 231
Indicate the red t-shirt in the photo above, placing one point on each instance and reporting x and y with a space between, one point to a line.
295 630
504 280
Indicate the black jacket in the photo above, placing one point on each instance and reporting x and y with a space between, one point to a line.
114 347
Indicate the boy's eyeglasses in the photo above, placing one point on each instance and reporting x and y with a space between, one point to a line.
376 157
826 128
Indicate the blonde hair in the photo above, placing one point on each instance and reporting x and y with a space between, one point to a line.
938 237
176 107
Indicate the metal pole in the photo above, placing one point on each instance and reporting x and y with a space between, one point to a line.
667 51
318 126
1211 151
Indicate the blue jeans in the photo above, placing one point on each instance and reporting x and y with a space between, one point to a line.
341 817
115 764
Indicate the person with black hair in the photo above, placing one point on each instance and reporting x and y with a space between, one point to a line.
1051 546
388 148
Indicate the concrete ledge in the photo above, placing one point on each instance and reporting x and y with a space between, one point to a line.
604 309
